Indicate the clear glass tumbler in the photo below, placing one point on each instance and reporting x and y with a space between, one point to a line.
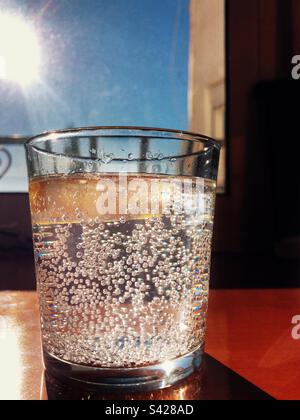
122 227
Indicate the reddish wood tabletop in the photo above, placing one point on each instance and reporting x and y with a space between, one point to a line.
248 331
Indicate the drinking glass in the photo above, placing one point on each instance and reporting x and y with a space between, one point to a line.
122 227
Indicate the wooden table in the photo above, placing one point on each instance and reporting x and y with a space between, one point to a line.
248 331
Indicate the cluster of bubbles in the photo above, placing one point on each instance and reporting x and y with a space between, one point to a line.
125 292
102 156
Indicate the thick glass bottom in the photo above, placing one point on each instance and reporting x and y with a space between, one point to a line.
146 378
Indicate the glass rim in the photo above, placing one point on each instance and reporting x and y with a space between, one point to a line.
157 133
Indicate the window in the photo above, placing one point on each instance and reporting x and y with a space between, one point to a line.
12 165
207 74
98 62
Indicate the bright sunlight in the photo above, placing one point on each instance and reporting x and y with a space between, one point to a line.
19 51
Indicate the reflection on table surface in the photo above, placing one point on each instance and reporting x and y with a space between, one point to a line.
212 381
249 331
55 389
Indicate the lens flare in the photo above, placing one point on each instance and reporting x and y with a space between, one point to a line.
19 50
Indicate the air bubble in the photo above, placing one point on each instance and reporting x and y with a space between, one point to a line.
149 156
107 280
107 158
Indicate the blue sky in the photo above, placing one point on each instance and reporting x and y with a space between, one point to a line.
103 62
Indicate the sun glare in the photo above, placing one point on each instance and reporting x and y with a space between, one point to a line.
19 50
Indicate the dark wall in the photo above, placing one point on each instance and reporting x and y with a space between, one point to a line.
257 228
16 256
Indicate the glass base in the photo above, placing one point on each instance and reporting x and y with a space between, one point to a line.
146 378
